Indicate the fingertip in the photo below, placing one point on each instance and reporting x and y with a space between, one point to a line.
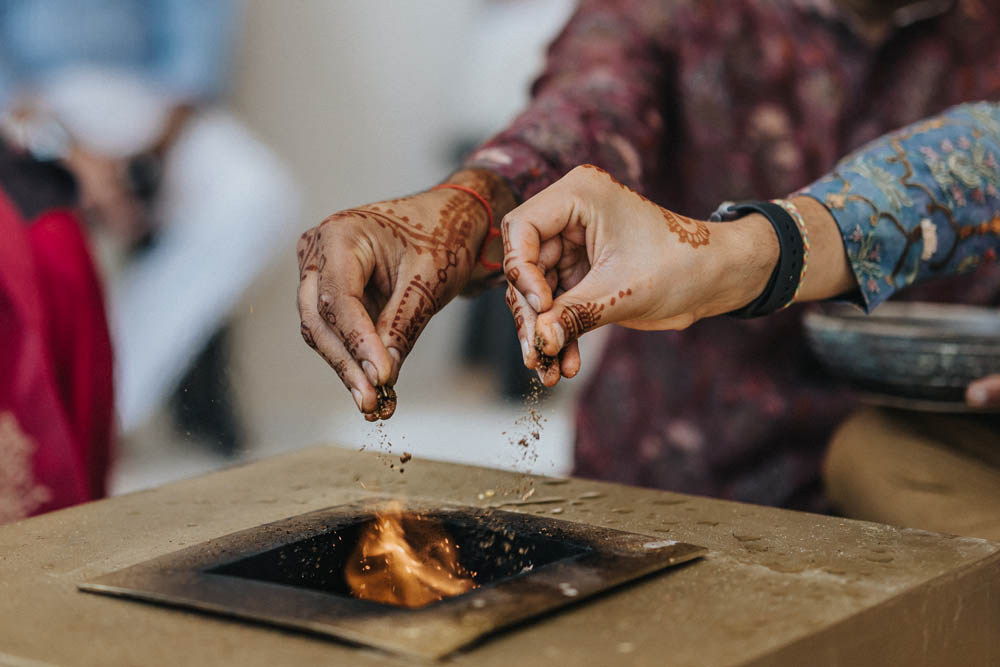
376 359
545 297
551 336
397 363
558 335
370 372
369 397
534 301
570 361
385 370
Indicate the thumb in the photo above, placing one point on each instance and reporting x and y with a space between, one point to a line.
415 298
590 304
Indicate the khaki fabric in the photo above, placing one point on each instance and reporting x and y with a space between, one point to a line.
918 470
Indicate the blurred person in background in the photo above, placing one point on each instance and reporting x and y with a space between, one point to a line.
184 204
55 353
689 103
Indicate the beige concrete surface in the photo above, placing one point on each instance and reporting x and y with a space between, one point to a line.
777 587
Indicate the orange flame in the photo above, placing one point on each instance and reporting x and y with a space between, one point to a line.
406 560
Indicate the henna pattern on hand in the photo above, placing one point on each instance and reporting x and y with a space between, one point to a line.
339 366
352 340
448 245
516 309
513 273
326 312
579 318
307 336
425 296
419 303
621 295
308 252
695 233
445 244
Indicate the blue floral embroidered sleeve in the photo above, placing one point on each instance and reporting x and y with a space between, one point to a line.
919 203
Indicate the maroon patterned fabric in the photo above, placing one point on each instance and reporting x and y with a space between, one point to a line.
698 101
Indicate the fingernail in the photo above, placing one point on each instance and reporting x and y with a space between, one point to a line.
394 353
358 398
525 350
325 298
369 369
978 396
534 302
560 334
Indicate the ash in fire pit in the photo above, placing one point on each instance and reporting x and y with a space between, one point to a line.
405 559
349 572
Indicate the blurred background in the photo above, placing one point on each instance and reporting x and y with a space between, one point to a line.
357 101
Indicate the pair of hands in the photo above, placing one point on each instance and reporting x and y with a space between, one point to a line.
585 252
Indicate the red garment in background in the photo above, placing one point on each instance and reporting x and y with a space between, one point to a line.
55 366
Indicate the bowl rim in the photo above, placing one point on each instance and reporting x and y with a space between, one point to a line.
847 317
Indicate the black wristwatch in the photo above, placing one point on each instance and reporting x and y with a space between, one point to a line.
784 281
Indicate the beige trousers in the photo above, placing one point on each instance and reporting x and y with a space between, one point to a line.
919 470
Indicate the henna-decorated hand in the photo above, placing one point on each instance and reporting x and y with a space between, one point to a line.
588 251
370 278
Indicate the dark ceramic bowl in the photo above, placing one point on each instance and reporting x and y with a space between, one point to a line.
920 354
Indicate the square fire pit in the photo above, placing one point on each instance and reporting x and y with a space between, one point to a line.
293 573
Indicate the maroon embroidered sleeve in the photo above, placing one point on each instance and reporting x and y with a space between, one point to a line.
599 100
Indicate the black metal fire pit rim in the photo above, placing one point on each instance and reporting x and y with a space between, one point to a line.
183 579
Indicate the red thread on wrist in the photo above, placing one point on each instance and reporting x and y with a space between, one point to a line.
491 233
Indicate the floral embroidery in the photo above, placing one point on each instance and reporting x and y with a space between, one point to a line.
986 118
20 494
936 184
835 200
865 258
884 180
973 168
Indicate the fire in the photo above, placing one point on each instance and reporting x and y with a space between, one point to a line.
406 560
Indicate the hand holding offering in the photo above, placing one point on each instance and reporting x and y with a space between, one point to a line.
370 278
588 251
